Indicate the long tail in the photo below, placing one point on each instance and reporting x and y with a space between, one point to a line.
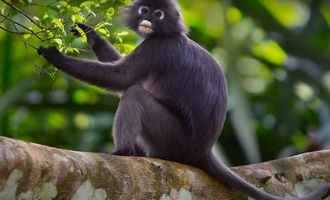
217 169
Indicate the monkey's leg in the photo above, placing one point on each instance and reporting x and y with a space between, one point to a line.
127 126
143 122
104 51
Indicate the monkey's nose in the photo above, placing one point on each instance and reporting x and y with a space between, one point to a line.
145 27
146 23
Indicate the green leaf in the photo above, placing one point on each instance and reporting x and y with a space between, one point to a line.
62 4
75 9
59 42
110 13
123 33
59 24
36 18
289 13
26 36
271 51
71 50
78 19
3 11
87 4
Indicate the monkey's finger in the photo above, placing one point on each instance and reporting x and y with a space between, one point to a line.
85 28
75 32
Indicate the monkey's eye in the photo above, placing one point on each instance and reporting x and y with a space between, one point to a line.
159 14
143 10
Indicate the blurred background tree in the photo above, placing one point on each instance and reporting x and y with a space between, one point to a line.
276 54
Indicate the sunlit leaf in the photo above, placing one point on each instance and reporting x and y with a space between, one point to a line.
57 120
291 13
270 51
304 91
27 36
234 15
59 24
71 50
62 4
78 19
36 18
325 9
59 42
300 141
110 13
82 121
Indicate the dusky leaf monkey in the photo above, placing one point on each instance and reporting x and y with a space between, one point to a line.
174 99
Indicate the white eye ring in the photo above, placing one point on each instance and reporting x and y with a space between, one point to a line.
143 10
159 14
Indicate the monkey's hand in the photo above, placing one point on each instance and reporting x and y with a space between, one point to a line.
91 34
87 29
104 51
51 54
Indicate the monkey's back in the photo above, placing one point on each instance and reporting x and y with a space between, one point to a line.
191 84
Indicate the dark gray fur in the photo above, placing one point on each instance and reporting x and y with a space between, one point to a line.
174 94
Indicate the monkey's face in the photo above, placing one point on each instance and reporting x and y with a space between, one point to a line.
155 17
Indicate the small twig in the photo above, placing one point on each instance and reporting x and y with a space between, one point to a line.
14 32
2 20
44 6
15 22
24 33
83 50
22 13
45 30
26 44
23 26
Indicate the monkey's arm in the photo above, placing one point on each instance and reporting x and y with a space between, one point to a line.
104 51
115 76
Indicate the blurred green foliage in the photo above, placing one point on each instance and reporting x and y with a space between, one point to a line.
276 55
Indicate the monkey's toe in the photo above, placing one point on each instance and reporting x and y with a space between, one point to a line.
135 151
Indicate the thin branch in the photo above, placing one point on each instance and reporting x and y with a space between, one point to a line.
23 26
26 44
22 13
14 32
24 33
44 6
45 30
2 20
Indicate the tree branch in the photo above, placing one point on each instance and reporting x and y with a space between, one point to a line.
22 13
31 171
30 31
13 32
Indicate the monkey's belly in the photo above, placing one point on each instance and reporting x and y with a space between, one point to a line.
152 86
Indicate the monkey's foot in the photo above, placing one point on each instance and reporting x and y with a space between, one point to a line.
136 151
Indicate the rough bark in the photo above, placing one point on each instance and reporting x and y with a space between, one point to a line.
30 171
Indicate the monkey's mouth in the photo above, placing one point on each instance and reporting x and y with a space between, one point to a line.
145 27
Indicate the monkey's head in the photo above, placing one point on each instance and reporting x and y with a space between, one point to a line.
155 18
